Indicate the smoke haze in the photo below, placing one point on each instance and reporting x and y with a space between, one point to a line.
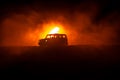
25 26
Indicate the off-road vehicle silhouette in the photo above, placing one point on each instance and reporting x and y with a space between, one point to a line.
54 40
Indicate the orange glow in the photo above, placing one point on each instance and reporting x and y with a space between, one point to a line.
55 30
80 31
51 28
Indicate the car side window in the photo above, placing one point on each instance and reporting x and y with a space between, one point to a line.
63 36
48 36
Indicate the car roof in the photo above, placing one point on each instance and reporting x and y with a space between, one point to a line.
56 34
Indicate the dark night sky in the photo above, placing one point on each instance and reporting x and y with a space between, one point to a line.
105 8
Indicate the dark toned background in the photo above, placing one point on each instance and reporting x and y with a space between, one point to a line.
105 6
87 21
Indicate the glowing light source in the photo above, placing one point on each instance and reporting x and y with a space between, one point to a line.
55 30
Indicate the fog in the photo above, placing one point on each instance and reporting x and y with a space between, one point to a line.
25 27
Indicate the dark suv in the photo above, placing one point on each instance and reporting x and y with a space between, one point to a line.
54 40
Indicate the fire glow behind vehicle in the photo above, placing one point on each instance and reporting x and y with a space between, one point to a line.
54 40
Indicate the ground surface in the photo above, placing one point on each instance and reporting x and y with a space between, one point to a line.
83 61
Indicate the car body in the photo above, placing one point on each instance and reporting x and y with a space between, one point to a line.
54 40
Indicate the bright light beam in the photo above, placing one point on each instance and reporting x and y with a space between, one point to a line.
55 30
